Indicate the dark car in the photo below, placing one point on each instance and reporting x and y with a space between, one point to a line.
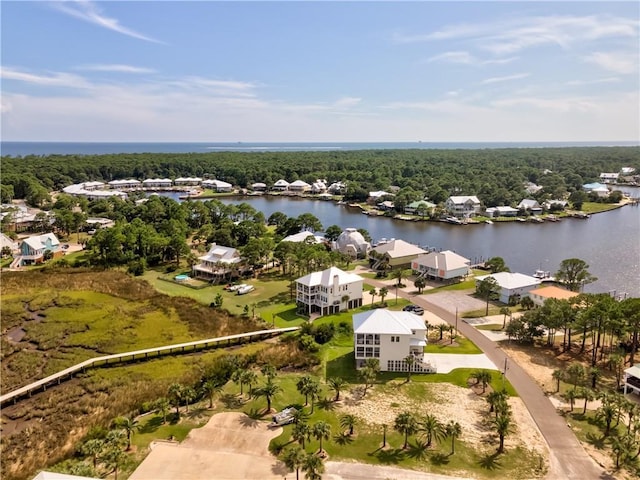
417 309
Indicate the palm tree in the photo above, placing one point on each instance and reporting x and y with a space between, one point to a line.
494 397
321 431
238 378
301 432
210 388
482 376
294 459
93 448
505 311
249 377
384 291
268 371
571 396
348 421
269 390
399 275
606 413
409 361
406 423
129 425
313 467
558 375
588 396
175 396
162 405
304 386
502 424
442 327
373 292
189 394
453 430
336 384
420 283
486 288
314 392
432 428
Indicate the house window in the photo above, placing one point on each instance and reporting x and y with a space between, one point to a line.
360 352
360 339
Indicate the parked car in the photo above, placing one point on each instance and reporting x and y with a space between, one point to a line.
417 309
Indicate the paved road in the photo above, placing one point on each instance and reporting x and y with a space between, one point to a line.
568 458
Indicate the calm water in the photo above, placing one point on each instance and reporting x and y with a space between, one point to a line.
16 149
608 242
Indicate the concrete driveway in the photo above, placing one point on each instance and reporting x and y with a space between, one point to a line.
445 362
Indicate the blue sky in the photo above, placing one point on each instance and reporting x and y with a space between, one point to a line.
320 71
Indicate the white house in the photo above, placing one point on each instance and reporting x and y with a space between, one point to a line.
632 379
217 185
125 184
337 187
501 211
304 236
375 196
597 188
217 263
352 243
328 291
530 204
7 242
445 265
299 186
609 177
397 253
319 186
157 183
258 187
627 170
281 185
92 192
187 181
391 337
463 205
512 285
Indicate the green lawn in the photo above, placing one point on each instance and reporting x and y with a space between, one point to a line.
464 345
594 207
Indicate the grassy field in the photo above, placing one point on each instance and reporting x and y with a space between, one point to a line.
594 207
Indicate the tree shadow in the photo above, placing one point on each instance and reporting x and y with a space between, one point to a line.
598 442
417 450
231 401
387 456
490 462
152 425
326 404
254 414
250 421
342 438
439 459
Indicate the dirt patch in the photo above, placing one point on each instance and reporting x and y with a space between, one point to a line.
447 402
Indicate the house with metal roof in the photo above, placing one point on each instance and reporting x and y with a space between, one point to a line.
391 337
512 285
329 291
219 262
397 253
445 265
32 249
463 205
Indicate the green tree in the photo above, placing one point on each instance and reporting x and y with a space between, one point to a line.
558 375
409 361
321 431
406 424
420 283
129 425
373 292
269 390
211 388
384 291
294 459
332 233
496 264
93 448
482 376
486 289
432 428
162 405
348 421
336 384
453 430
313 467
175 395
305 386
301 433
503 427
574 274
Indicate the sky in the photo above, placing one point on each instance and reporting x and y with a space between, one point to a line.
327 71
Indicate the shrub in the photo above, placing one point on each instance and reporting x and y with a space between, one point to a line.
324 333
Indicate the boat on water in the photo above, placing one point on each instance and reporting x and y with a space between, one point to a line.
453 220
488 222
543 275
581 215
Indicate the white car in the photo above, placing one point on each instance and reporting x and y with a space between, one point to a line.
245 289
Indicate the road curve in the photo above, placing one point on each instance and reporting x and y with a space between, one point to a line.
568 458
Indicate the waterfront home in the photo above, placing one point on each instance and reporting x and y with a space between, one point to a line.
91 191
319 186
555 204
609 177
396 254
627 170
32 249
304 236
123 184
632 379
337 188
597 188
299 186
187 181
386 206
421 207
445 265
281 185
99 222
501 211
463 205
217 186
377 195
542 294
258 187
157 183
391 337
530 205
352 243
329 291
219 262
513 286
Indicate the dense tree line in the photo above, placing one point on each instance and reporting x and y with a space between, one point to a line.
495 176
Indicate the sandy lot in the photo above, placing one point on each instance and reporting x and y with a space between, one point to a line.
230 446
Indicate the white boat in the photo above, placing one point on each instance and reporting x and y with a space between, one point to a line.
543 275
237 287
245 289
488 222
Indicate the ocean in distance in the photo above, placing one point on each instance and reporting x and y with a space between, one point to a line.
21 149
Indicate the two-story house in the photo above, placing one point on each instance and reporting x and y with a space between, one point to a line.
445 265
328 292
219 262
463 206
32 249
391 337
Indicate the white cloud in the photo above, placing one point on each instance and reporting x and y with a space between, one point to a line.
616 62
466 58
57 79
89 12
506 78
593 82
118 68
